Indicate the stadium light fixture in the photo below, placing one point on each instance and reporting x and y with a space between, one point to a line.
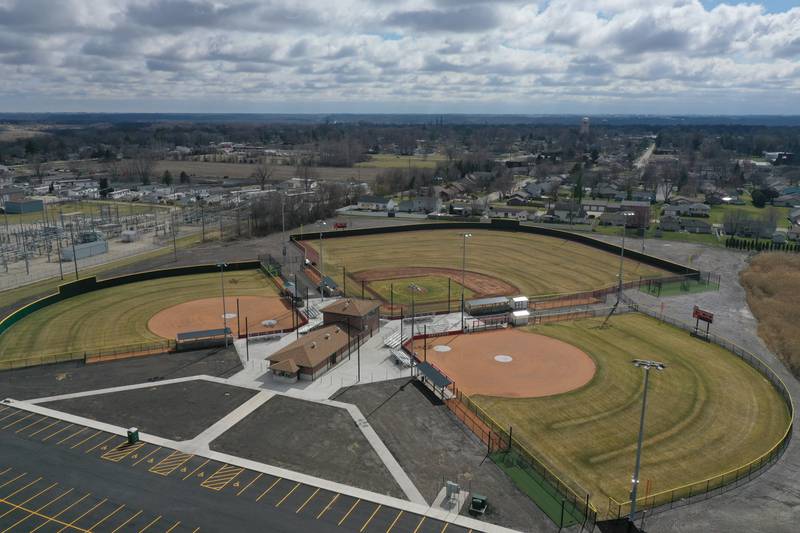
224 310
413 288
647 366
321 224
463 273
625 215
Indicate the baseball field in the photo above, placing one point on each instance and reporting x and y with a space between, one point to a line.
145 311
708 412
496 262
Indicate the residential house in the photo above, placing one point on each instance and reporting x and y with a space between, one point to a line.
794 216
669 223
508 212
420 204
693 225
636 196
607 192
376 203
611 219
787 200
779 237
595 208
521 197
641 213
568 211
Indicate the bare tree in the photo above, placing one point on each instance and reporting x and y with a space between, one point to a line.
263 173
37 166
141 167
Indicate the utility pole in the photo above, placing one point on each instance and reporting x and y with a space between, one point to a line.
625 215
647 366
202 223
463 274
74 255
174 241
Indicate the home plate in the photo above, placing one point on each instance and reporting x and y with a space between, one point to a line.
229 316
441 348
503 358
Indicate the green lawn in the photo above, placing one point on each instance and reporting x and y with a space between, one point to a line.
117 316
433 289
680 236
708 412
401 161
535 264
718 212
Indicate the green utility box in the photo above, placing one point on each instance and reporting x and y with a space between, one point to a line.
133 435
478 504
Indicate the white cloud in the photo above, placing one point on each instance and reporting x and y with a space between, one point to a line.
457 55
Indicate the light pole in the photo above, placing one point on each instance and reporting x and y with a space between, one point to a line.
283 223
463 273
224 310
413 288
625 215
647 366
321 224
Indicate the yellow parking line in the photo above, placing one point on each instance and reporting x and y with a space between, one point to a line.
150 524
4 408
444 527
196 530
121 452
176 524
106 517
34 482
87 439
269 489
49 518
31 425
348 513
190 474
421 520
72 524
248 485
4 471
98 445
125 523
396 518
146 456
50 436
17 421
378 508
9 415
287 495
65 439
220 479
12 480
35 513
325 510
44 428
31 498
62 511
170 463
306 502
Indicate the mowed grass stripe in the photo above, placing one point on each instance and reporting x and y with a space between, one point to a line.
707 413
118 316
535 264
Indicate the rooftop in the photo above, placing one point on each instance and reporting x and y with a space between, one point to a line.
313 348
352 307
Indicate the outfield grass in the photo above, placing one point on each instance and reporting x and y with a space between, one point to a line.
401 161
708 412
117 316
434 289
535 264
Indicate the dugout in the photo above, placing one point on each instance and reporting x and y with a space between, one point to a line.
433 377
488 306
207 338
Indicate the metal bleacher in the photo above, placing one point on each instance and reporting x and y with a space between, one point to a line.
402 358
394 341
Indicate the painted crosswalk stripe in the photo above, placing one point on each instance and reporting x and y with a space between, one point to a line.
170 463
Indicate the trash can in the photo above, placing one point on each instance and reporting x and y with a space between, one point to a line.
133 435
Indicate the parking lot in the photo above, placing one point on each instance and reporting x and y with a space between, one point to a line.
60 476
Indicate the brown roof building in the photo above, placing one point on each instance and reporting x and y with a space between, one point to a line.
311 355
360 316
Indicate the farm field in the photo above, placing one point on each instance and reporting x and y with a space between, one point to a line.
534 265
279 172
118 316
708 412
401 161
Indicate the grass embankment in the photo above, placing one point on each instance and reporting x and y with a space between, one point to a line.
118 316
535 264
708 412
431 289
772 283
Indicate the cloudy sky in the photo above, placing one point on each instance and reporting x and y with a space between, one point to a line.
395 56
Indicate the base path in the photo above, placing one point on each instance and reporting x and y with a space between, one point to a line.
206 313
480 284
508 363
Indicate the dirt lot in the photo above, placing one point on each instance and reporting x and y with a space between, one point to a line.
319 440
177 411
432 446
